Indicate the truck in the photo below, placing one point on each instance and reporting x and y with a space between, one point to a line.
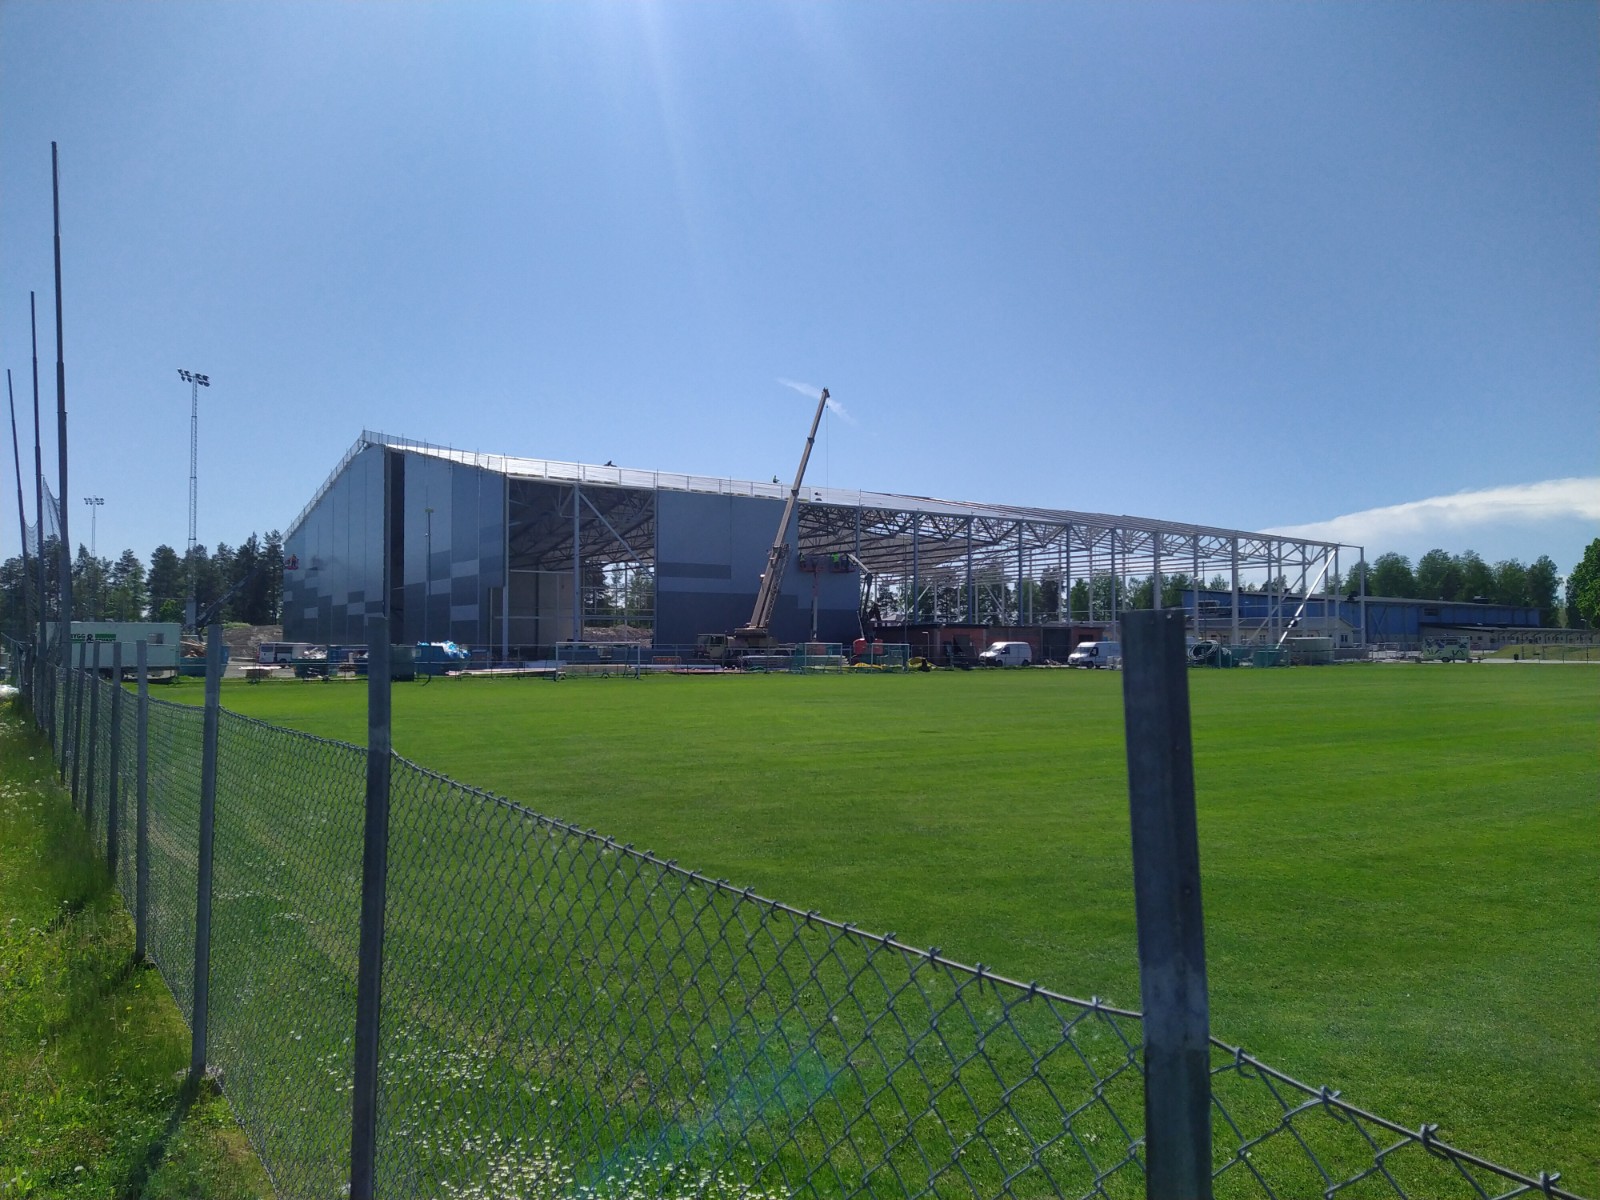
162 641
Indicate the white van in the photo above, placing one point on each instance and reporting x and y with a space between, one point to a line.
1006 654
1096 654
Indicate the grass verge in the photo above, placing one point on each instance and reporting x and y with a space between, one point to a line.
92 1049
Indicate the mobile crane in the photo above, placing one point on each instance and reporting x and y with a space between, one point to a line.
756 634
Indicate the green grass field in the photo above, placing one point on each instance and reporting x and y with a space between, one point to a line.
1401 863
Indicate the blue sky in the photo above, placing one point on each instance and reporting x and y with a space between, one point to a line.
1250 265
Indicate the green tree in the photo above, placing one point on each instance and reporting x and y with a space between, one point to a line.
1477 577
272 576
12 582
250 576
1391 576
167 585
125 591
88 585
1438 576
1511 584
1543 579
1048 598
1583 589
1078 602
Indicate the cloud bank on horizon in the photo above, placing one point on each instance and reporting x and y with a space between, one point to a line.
1441 517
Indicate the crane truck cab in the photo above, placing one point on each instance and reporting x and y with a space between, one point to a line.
1006 654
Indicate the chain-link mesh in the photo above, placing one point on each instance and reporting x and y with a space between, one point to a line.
175 739
285 924
566 1016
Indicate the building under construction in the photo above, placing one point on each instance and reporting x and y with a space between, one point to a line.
518 555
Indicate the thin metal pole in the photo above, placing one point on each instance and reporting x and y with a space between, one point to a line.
374 891
208 820
141 843
1234 568
113 790
41 658
61 434
91 784
1171 924
22 515
1362 566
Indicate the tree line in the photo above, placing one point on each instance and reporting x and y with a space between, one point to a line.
1466 577
245 581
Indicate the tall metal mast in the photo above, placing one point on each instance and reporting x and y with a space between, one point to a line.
65 645
195 382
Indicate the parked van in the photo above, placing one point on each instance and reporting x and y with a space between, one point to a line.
1096 654
1006 654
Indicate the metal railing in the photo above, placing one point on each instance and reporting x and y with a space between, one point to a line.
565 1015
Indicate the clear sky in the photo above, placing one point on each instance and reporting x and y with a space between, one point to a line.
1244 264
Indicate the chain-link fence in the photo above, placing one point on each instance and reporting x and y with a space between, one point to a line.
565 1016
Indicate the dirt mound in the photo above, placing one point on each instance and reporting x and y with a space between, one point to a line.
244 641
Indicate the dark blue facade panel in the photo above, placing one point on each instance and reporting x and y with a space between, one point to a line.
338 555
710 552
453 557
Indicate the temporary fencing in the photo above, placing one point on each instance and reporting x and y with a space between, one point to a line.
566 1015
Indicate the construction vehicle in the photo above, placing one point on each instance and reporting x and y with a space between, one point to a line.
756 635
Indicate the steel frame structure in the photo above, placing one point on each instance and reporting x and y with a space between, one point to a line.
932 560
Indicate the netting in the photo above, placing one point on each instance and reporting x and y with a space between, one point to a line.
564 1015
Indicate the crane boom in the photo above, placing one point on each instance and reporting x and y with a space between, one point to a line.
772 577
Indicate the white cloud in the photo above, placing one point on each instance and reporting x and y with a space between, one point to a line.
1411 523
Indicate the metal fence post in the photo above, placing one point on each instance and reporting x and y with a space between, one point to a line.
93 683
114 763
1166 880
75 726
62 727
208 817
374 891
141 834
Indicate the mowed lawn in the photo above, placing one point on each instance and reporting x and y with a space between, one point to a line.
1401 863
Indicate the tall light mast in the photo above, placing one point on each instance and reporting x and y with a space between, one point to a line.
195 382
